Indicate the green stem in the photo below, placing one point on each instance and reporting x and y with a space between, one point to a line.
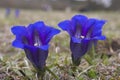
74 68
92 52
52 73
40 74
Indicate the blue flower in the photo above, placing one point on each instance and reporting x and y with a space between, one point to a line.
8 11
34 39
17 13
83 33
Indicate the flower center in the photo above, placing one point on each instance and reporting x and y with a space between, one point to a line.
37 41
82 37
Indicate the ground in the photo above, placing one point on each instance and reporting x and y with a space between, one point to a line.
104 65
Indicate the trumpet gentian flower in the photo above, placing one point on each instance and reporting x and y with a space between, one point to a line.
83 33
17 13
34 39
8 11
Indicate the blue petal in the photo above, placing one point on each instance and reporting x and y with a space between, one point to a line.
76 40
44 47
45 32
19 30
36 26
51 33
99 33
39 24
88 26
100 38
79 40
21 36
18 44
98 26
79 23
39 28
79 19
67 26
